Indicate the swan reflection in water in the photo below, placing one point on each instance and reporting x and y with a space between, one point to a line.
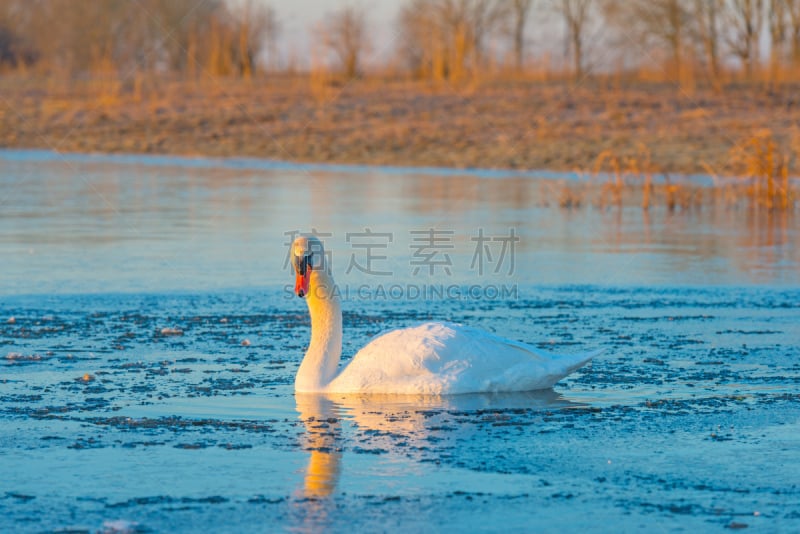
321 419
414 421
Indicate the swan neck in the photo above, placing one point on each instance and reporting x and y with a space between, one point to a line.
321 362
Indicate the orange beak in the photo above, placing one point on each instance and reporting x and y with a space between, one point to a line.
301 282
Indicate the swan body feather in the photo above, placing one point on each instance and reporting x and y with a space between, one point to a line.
446 358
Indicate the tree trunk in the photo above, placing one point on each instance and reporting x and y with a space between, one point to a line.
519 42
577 54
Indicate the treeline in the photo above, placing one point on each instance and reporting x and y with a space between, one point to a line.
670 40
675 40
84 37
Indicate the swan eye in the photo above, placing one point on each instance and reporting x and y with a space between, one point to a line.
301 263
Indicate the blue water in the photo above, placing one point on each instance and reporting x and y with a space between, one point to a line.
689 421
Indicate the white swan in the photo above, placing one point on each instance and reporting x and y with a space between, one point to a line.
430 359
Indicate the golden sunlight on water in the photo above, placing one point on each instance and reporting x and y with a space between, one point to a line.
321 421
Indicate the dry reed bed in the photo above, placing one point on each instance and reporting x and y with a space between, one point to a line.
628 134
763 181
674 197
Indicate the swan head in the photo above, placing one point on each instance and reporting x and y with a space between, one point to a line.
307 254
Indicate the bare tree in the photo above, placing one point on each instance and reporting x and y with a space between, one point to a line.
126 39
346 36
520 9
706 14
442 39
777 17
15 50
483 17
744 20
255 25
663 24
793 15
672 30
575 14
425 27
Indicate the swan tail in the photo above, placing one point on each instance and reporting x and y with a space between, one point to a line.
566 362
544 369
573 362
562 365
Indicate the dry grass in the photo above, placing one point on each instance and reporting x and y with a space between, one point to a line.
622 139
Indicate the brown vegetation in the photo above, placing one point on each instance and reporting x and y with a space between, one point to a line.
762 182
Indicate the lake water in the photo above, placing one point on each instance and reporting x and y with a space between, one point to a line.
690 420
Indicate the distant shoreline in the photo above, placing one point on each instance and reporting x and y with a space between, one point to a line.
263 164
508 125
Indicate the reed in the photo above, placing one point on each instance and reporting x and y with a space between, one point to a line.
607 164
570 197
621 173
765 169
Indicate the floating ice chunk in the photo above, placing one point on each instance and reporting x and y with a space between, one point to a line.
170 331
120 526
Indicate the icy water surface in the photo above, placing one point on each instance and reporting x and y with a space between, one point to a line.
148 348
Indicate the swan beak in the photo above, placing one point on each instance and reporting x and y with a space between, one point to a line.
302 270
